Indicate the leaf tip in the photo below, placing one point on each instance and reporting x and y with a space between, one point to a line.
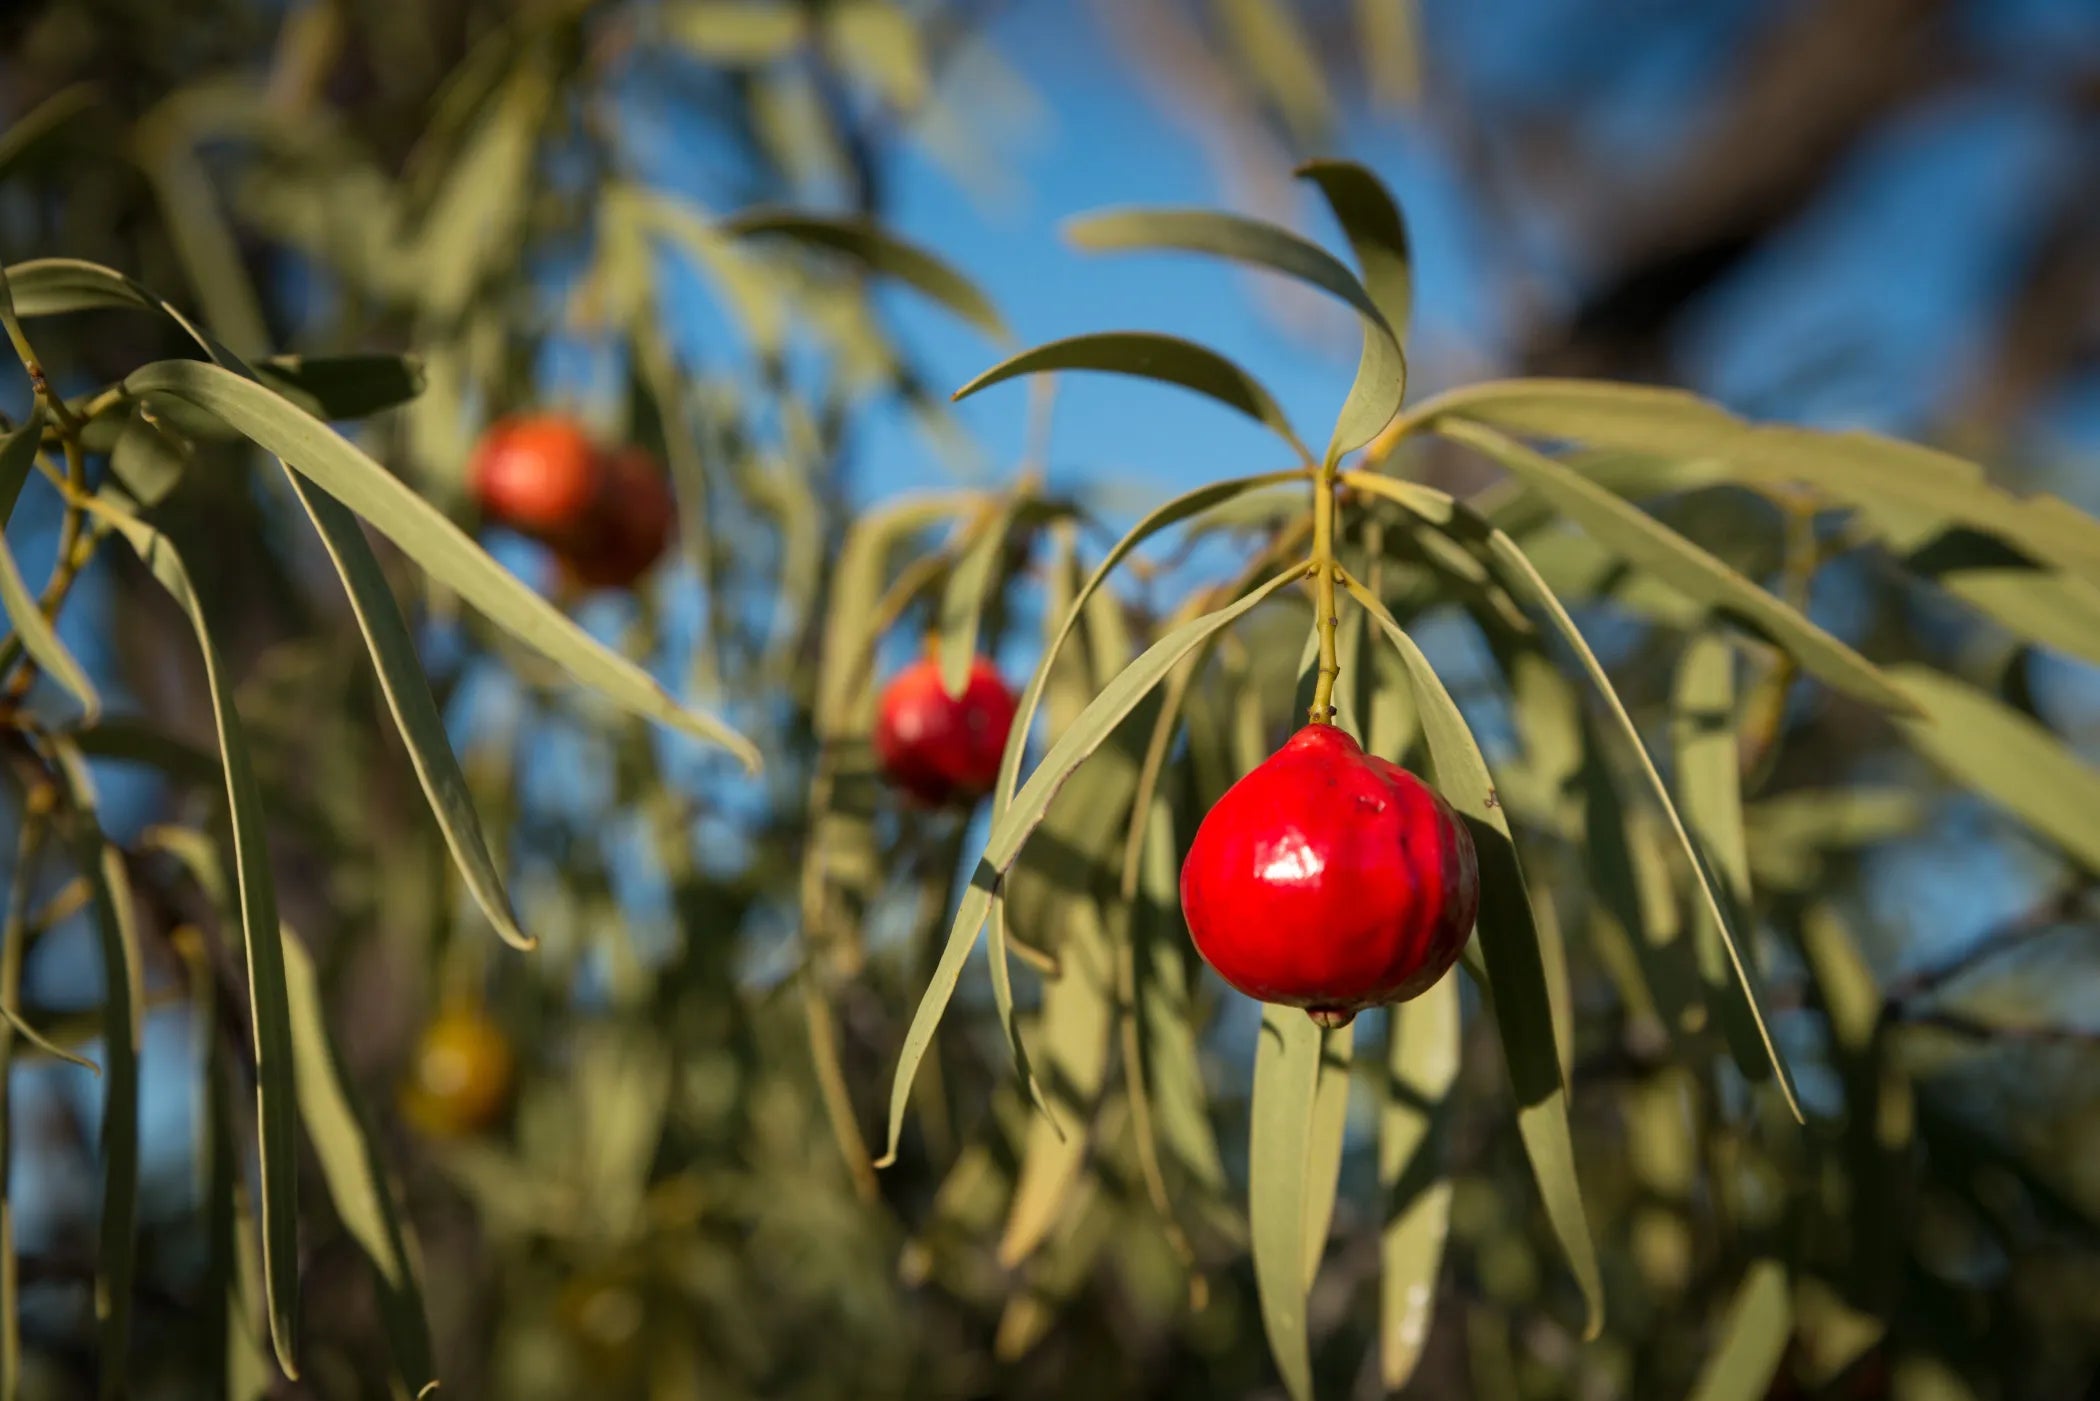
888 1159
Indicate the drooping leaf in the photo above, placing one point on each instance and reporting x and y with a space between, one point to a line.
337 387
1166 1014
276 1092
1390 33
415 711
740 32
1372 223
1277 53
1279 1148
18 459
148 458
1323 1144
1648 544
1010 830
1516 972
1752 1341
317 452
1413 1182
878 42
43 122
757 305
877 250
1150 355
963 598
109 887
2007 757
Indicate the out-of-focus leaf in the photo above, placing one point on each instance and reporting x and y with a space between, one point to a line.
1509 945
426 536
1413 1182
197 227
877 250
39 638
42 122
963 599
1279 1146
878 42
356 1178
1390 34
747 292
1323 1143
148 457
415 711
473 223
1753 1340
18 459
1851 996
2007 757
1166 1011
336 387
109 887
276 1090
1378 236
1150 355
130 740
28 847
1519 568
1648 544
1011 828
1056 1273
1276 52
1072 1042
1788 833
742 32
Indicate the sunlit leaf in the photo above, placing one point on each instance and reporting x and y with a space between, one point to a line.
745 32
1752 1341
1413 1182
1377 234
1011 828
878 250
963 598
415 711
1509 945
276 1092
879 42
1323 1143
426 536
1166 1012
1279 1148
1149 355
1391 38
1272 44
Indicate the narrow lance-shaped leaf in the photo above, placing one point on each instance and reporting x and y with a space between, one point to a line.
1372 223
1010 830
878 250
23 878
110 900
18 459
426 536
1650 545
1167 1025
415 711
38 636
1519 568
1413 1182
963 598
276 1091
1150 355
1754 1339
1509 945
1279 1147
1323 1145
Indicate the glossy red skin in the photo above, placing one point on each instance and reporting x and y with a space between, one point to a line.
628 525
537 474
940 748
1330 879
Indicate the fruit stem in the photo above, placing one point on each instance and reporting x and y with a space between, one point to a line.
1325 619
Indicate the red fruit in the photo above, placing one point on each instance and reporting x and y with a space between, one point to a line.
1330 879
935 746
628 526
536 473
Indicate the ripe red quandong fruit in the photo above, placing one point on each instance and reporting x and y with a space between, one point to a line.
1330 879
627 526
938 747
537 474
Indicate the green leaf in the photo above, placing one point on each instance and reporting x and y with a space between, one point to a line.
744 33
1279 1149
1390 32
277 1106
356 1177
148 458
1277 53
1754 1339
1166 1010
1648 544
1414 1181
40 123
1011 828
1072 1042
877 250
415 711
123 972
1520 571
473 226
963 598
2039 605
879 42
1323 1144
336 387
736 274
18 459
1378 235
39 638
1509 944
2007 757
426 536
1149 355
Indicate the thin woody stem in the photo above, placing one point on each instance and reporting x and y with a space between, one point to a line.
1322 565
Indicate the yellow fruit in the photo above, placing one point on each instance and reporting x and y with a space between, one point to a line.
460 1081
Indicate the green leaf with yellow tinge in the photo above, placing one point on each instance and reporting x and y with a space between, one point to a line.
1279 1162
1414 1182
1753 1340
877 250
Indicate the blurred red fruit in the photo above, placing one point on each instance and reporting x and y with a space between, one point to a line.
938 747
537 474
629 523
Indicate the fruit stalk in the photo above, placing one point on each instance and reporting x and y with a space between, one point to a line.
1325 618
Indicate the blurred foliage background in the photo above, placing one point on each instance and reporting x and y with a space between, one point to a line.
1877 213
